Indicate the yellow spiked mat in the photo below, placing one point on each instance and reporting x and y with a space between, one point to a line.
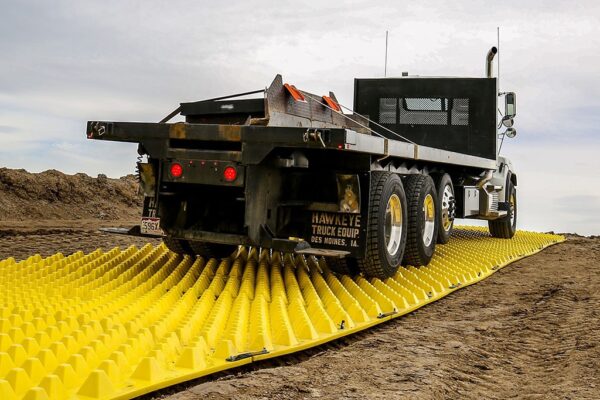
121 323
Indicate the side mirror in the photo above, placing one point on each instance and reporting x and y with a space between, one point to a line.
507 121
510 105
510 133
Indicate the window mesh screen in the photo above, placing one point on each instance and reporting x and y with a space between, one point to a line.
387 111
425 104
424 111
460 112
421 111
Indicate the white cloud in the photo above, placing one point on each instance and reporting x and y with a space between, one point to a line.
67 62
558 187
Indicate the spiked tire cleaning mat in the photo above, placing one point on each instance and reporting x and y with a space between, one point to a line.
121 323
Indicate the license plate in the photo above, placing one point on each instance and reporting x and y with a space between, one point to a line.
151 226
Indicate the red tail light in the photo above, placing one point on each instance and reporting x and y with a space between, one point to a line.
176 170
230 174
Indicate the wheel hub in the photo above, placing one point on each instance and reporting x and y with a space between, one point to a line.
428 219
393 224
448 208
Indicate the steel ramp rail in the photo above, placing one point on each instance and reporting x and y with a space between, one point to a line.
122 323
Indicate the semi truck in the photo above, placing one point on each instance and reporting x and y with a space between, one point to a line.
370 188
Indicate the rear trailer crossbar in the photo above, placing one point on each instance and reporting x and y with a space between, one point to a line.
121 323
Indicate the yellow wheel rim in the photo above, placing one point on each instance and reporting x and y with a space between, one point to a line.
428 219
392 229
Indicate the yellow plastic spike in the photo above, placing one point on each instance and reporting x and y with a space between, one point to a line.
53 387
192 358
281 327
225 349
237 325
6 364
36 393
17 353
301 323
111 370
148 370
18 380
259 330
5 340
97 385
34 368
6 390
124 322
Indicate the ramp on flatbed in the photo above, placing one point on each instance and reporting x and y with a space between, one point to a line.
121 323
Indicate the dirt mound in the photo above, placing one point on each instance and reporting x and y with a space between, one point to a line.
53 195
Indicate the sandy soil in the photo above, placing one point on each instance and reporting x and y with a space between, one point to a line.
529 331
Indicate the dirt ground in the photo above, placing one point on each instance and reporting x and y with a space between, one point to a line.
529 331
53 195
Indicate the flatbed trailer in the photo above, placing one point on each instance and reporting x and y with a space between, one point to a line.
291 172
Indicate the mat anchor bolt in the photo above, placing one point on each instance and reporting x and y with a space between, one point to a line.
241 356
387 314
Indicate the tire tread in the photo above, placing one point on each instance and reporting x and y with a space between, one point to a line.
502 228
414 185
371 264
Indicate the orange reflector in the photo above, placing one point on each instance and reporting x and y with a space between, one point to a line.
294 92
332 103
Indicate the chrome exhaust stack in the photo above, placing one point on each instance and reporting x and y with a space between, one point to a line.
488 64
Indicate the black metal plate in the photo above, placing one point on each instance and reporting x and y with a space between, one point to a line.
473 133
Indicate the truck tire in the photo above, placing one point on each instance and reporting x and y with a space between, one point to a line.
422 207
505 228
178 246
211 250
446 200
386 229
343 265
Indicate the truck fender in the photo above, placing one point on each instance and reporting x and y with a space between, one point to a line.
502 176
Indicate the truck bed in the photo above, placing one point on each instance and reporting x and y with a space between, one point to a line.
248 144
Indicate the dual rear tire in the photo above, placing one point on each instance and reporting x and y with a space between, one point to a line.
423 206
387 227
402 227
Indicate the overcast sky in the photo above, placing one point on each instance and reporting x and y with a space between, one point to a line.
65 62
